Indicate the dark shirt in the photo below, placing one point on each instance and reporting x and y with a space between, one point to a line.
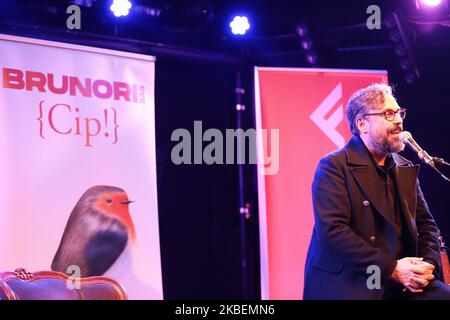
390 193
391 200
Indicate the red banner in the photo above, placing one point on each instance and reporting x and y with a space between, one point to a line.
308 108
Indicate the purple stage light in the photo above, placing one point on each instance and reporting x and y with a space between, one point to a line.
306 44
431 3
311 58
400 50
302 30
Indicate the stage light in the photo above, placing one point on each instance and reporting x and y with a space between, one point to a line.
153 12
121 7
400 50
431 3
239 25
389 22
302 31
395 36
306 44
410 78
405 65
431 10
311 58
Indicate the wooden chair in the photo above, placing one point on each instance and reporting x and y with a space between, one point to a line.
51 285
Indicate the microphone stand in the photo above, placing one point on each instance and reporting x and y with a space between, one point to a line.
441 174
440 161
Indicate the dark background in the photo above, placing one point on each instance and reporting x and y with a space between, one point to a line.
197 63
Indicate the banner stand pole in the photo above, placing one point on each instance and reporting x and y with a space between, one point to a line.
244 208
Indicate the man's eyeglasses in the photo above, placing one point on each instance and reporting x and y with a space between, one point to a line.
389 114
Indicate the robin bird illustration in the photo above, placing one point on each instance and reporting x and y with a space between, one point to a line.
97 232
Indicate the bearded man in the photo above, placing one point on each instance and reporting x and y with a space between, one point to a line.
374 236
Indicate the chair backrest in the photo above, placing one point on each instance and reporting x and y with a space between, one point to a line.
51 285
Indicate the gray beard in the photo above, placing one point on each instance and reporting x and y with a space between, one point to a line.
388 147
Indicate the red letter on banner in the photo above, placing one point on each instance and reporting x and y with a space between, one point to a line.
35 79
13 78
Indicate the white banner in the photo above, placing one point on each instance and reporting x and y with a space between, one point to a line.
77 139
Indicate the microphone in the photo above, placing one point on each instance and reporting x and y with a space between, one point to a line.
422 154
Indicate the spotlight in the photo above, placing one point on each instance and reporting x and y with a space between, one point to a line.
239 25
431 3
410 77
150 11
405 64
395 36
121 7
311 58
432 10
400 50
307 45
302 31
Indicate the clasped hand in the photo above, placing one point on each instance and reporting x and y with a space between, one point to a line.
413 273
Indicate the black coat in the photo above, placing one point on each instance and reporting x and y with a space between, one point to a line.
352 229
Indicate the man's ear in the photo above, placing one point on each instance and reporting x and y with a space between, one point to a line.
362 124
